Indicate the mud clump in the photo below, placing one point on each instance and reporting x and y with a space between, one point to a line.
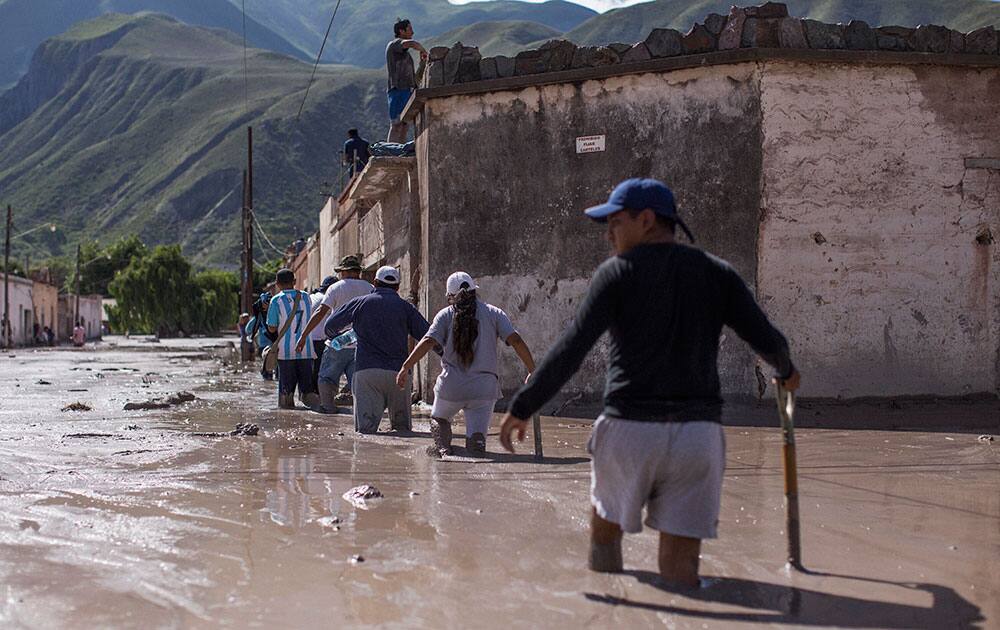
160 403
360 496
77 406
242 429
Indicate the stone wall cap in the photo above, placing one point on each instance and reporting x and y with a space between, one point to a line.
680 62
766 26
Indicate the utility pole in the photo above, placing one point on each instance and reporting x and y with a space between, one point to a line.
246 279
76 307
6 281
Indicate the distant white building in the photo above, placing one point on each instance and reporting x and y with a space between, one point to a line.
22 317
91 314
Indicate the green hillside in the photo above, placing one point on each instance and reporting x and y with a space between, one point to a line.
292 27
24 24
140 128
362 29
497 38
631 24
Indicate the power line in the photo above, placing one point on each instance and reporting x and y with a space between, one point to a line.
253 217
318 57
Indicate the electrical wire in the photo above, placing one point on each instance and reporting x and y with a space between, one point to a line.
260 229
318 57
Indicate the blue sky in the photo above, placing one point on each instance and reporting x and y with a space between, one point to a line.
604 5
596 5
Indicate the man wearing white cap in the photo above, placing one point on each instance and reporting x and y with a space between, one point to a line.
466 333
383 323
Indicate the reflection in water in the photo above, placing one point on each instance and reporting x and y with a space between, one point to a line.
298 495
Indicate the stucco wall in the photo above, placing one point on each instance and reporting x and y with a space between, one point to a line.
91 312
329 245
21 309
505 188
45 301
868 250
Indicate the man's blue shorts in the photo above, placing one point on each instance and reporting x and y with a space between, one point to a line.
397 102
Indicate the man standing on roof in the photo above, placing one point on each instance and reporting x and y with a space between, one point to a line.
659 442
355 152
383 323
336 363
402 78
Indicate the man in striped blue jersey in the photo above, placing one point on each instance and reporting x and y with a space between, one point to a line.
294 366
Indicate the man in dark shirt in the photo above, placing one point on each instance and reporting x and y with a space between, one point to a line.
383 323
402 78
659 443
355 151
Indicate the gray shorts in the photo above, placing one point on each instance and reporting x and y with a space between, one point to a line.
674 469
375 391
478 413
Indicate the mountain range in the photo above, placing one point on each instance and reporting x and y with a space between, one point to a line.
134 122
291 27
633 23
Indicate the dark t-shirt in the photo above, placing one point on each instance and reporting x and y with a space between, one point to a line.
400 66
382 321
664 305
358 148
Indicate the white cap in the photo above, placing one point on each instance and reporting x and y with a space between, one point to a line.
387 274
456 280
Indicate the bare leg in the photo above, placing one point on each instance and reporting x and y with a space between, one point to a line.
605 545
398 132
679 560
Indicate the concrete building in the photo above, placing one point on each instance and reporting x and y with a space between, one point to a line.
852 177
91 314
19 296
45 302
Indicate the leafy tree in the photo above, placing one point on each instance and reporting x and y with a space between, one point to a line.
154 294
159 292
100 264
60 270
218 300
264 274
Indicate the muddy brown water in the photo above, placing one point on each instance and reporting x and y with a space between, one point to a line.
146 525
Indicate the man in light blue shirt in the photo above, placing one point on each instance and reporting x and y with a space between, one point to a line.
294 365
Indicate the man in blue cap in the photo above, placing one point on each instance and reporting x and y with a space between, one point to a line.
659 442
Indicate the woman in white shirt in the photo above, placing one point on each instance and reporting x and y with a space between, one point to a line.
466 334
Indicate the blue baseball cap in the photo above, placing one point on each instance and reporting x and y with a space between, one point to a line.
639 194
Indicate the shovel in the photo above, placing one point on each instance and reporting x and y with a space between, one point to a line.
786 410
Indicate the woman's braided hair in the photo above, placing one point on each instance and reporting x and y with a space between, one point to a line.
465 327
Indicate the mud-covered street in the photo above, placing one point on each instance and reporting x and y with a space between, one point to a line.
128 518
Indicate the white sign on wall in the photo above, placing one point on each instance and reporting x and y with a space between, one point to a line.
590 144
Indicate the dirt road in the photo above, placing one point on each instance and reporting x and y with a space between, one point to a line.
126 518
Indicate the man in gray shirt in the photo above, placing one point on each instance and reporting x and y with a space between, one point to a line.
402 78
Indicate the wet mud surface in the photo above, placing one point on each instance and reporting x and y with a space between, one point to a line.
129 519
